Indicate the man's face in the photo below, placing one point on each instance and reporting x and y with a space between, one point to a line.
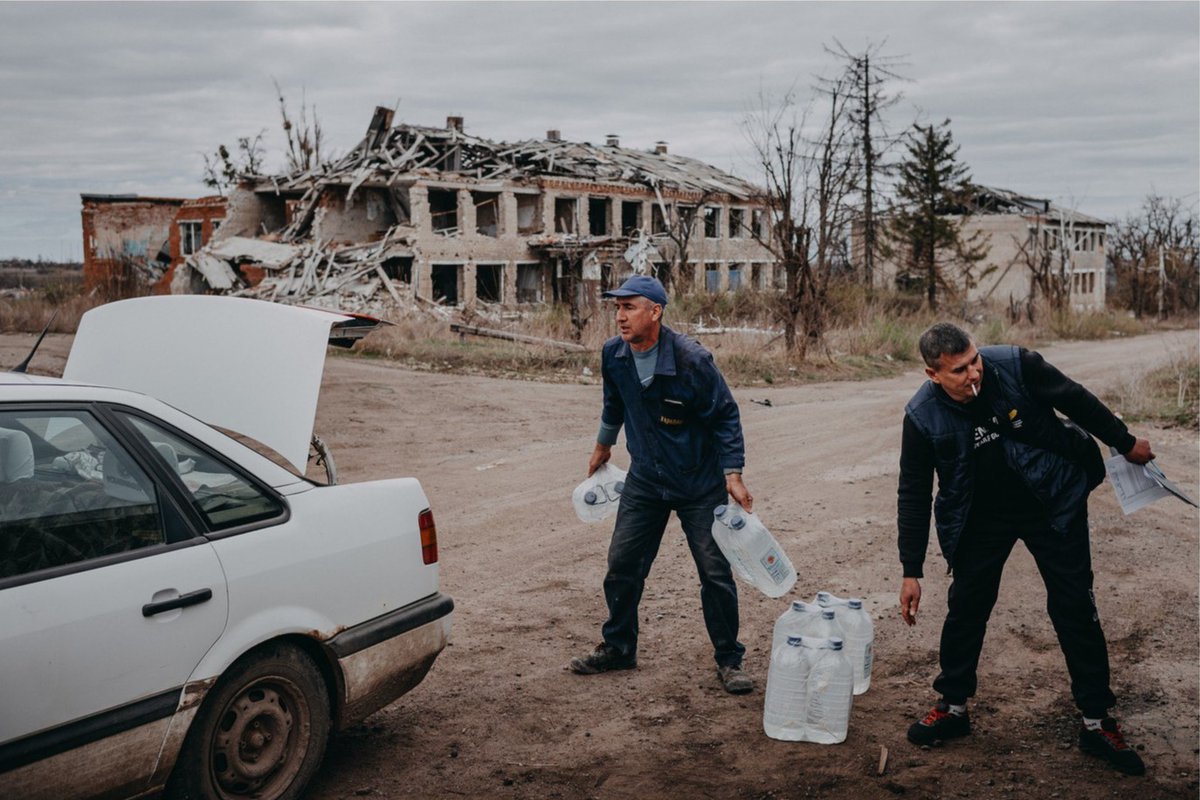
958 374
637 319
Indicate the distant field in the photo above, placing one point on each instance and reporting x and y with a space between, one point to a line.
38 274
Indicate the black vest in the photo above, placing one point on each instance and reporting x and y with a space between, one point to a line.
1038 447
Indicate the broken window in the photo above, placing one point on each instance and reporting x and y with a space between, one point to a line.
736 223
445 279
443 210
687 216
658 222
190 237
529 283
712 278
564 214
398 269
735 277
487 213
631 217
489 282
712 223
758 224
598 216
529 214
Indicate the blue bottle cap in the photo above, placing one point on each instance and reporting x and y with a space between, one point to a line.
619 486
590 498
738 522
799 605
855 603
794 641
720 510
827 613
835 643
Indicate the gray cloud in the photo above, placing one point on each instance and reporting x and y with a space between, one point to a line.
1090 103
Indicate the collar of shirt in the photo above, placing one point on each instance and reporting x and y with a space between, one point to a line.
666 351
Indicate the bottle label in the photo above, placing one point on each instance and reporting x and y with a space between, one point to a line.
868 658
775 566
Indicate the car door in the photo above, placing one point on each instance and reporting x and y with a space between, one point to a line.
107 603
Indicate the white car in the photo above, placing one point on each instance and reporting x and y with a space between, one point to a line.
178 610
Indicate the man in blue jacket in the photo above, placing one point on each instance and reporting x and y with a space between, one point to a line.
684 437
1008 468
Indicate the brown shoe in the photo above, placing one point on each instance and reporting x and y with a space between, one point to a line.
734 681
603 659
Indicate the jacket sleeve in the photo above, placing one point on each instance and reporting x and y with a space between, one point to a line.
914 499
612 413
1050 386
718 411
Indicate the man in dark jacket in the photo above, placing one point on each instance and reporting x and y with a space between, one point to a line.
1008 468
684 436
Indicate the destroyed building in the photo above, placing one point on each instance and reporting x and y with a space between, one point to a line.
455 219
152 235
1015 229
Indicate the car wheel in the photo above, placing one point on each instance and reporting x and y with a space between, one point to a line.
261 732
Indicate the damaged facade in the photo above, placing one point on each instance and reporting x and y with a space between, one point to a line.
152 235
1015 229
450 218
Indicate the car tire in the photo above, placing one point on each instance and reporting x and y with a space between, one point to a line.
260 733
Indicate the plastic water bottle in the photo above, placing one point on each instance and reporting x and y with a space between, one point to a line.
830 696
598 496
859 635
793 622
787 691
752 551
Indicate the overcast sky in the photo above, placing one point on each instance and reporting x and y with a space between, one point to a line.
1089 104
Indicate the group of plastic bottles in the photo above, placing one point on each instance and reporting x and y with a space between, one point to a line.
821 652
821 656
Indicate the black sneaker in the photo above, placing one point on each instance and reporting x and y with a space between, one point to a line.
1109 743
602 659
939 724
734 680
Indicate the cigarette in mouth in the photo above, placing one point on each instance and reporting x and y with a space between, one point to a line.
974 391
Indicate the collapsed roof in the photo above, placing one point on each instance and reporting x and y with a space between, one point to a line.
991 200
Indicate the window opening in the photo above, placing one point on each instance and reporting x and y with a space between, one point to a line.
487 213
529 213
564 214
443 210
712 223
191 237
529 283
631 217
712 278
735 277
398 269
445 278
736 223
489 282
598 216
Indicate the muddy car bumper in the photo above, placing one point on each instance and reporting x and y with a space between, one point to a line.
385 657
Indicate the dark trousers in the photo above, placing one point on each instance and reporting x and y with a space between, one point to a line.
1065 562
641 520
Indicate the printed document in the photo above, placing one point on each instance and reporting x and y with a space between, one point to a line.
1138 486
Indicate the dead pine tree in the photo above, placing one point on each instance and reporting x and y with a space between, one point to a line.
808 171
865 77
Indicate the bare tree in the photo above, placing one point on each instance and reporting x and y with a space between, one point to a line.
222 168
680 226
304 135
1047 253
865 76
1154 254
807 182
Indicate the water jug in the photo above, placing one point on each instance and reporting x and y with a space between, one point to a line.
859 635
752 551
787 691
598 496
830 693
793 622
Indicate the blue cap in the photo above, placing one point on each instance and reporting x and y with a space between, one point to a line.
640 285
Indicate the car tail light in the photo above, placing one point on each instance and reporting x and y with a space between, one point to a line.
428 537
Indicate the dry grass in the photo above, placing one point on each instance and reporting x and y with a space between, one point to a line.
1167 394
29 313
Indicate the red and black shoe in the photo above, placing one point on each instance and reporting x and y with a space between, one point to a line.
1109 743
939 724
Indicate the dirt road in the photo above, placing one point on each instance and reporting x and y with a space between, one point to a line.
500 717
